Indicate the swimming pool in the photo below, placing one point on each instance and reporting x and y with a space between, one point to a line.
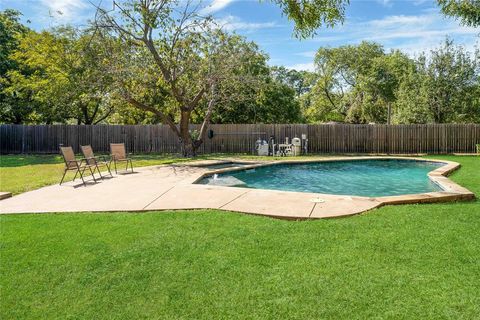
370 178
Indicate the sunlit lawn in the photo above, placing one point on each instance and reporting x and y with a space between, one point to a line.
397 262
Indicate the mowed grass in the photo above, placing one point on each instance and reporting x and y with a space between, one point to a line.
397 262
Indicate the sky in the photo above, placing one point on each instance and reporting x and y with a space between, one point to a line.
413 26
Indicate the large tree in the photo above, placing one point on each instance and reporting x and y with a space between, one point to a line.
183 53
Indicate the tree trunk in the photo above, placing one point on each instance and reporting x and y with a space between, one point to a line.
389 113
188 146
188 149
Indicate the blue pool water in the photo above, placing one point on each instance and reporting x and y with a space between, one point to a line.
362 177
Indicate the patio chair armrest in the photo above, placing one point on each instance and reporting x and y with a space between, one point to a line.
82 160
74 161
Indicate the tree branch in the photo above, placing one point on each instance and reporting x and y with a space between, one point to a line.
167 120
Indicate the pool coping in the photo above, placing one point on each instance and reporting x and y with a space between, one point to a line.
451 190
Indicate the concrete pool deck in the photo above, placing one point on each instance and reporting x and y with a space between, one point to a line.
168 187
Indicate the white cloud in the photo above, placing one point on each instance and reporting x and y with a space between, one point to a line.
385 3
402 20
307 54
415 34
233 23
410 33
214 6
419 2
310 66
65 9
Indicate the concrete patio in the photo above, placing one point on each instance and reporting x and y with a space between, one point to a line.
171 187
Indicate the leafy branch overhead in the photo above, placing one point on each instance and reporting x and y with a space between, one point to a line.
467 11
311 15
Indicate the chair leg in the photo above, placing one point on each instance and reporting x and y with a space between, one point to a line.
115 165
63 177
83 171
81 175
75 176
131 165
96 165
110 165
93 175
108 168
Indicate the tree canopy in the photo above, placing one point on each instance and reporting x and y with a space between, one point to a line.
364 84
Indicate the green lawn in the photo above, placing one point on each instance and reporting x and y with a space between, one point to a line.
401 262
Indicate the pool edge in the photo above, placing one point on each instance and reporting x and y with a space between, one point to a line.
451 191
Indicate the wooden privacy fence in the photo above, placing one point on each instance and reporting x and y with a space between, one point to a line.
240 138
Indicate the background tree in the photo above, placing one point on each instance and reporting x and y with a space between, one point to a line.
13 107
298 80
380 83
256 94
363 84
67 78
444 88
336 94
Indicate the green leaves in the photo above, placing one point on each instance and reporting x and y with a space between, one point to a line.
62 73
309 15
362 84
467 11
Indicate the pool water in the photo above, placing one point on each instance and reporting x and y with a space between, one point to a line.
371 178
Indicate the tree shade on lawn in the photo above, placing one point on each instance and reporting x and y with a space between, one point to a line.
414 261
